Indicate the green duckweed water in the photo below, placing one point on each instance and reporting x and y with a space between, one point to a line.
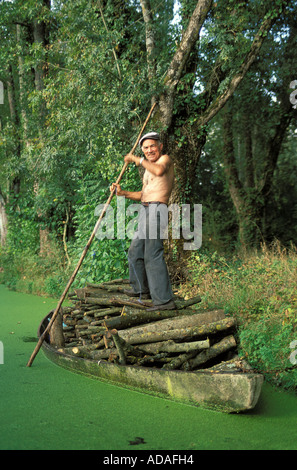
46 407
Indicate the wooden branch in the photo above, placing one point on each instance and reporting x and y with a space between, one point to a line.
139 337
182 321
64 236
57 336
107 283
138 317
104 353
119 345
178 361
173 347
180 57
99 287
188 41
218 348
123 348
149 39
106 311
115 302
187 303
113 49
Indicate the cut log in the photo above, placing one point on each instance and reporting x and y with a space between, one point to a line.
115 302
80 351
104 354
218 348
119 344
95 296
56 333
178 361
156 358
77 313
182 321
139 337
187 303
107 283
98 327
80 293
173 347
137 317
106 311
104 287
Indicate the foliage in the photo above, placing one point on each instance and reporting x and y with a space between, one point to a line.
259 289
33 274
106 257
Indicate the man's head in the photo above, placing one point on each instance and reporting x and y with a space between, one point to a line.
149 135
151 146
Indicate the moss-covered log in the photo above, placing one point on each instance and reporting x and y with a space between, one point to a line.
173 347
218 348
145 336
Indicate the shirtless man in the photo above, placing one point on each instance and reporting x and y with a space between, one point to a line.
147 267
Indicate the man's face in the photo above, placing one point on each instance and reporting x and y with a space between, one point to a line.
152 149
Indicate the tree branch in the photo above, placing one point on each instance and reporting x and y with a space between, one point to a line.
180 57
149 38
274 147
113 49
188 41
256 45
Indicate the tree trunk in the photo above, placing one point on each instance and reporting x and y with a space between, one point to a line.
247 209
3 221
40 35
22 88
248 195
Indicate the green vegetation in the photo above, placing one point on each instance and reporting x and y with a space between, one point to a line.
259 290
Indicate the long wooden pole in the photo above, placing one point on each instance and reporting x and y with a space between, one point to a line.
42 337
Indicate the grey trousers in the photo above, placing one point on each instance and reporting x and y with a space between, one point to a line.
147 268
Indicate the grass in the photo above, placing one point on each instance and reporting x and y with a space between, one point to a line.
34 274
259 289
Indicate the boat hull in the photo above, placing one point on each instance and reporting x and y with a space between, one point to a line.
229 392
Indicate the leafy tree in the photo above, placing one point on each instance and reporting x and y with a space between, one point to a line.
81 74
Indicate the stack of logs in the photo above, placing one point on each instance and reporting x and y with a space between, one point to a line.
105 324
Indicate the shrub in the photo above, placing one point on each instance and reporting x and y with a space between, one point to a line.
259 289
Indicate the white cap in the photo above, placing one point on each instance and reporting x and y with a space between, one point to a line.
150 135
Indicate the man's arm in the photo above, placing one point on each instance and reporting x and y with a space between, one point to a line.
134 195
157 168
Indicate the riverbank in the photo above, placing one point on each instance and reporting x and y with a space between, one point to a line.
45 407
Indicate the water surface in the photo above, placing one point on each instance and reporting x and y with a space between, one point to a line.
46 407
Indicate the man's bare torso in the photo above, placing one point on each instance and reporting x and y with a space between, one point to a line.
158 188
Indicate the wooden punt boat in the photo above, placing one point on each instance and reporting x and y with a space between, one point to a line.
225 389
